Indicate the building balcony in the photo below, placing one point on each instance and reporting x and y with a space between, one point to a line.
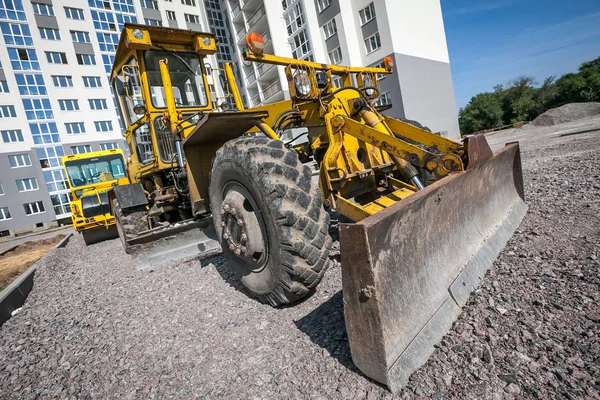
255 100
236 11
266 72
272 90
257 22
241 34
251 78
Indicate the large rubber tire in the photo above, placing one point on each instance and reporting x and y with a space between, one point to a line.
293 222
129 223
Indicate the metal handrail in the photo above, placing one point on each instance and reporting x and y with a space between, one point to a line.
255 17
272 90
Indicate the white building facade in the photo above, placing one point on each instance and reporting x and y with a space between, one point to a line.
55 57
356 33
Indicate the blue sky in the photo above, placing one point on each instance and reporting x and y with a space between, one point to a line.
495 41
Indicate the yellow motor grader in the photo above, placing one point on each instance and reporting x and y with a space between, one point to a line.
429 215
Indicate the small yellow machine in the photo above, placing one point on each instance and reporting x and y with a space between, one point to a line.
429 215
90 177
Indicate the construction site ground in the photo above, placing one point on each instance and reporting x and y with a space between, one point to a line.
16 261
95 327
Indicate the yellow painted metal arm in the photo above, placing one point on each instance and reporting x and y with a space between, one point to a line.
235 91
169 98
428 139
335 69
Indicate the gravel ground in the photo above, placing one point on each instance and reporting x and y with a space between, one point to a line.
94 327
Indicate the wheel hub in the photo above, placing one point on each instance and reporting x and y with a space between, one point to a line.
242 231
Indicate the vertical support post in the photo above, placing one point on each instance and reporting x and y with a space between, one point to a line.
235 90
171 108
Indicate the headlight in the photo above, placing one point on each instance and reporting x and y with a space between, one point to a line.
302 83
366 83
138 34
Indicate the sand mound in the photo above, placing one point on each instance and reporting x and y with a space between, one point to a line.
567 113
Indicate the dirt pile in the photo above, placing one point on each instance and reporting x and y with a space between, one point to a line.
16 261
567 113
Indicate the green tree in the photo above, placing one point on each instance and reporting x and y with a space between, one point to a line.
571 88
545 97
590 71
484 111
519 100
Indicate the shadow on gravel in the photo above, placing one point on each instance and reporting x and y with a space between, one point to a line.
578 132
326 328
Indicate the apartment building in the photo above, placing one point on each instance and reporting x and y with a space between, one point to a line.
358 33
55 98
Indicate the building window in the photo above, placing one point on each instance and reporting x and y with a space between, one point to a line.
85 59
19 160
189 3
80 37
62 81
372 43
42 9
69 105
38 109
55 180
335 56
103 126
108 41
92 81
4 213
44 132
16 34
294 20
191 18
50 157
152 22
330 29
380 76
3 87
37 207
323 4
31 84
151 4
367 14
171 15
60 203
23 59
50 34
54 57
27 184
12 10
8 112
12 136
384 99
74 13
75 128
1 189
104 20
84 148
109 146
300 45
98 104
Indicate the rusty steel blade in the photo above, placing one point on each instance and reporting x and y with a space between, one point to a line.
409 269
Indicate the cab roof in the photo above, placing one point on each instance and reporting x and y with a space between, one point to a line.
158 35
